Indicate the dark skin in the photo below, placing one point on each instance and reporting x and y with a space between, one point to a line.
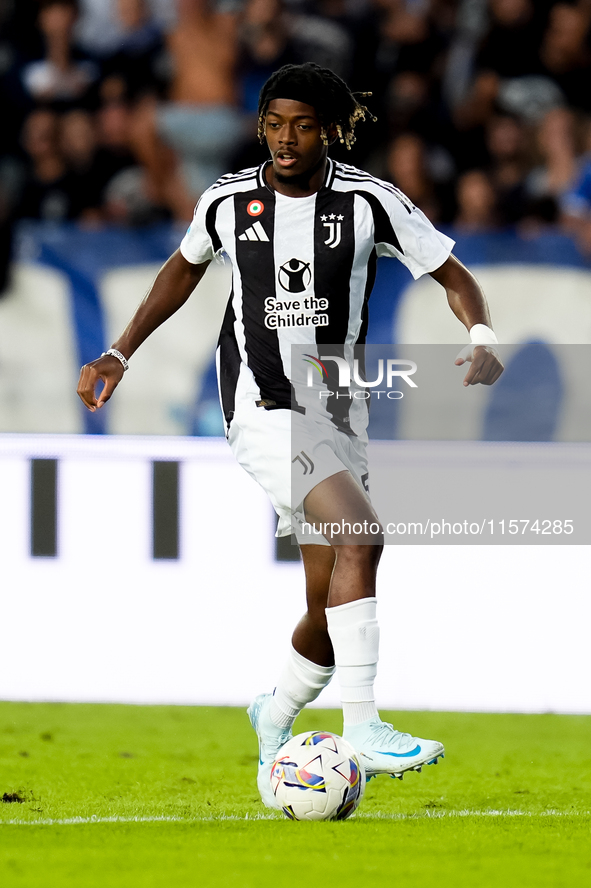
343 571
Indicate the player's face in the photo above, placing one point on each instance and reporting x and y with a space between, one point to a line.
293 136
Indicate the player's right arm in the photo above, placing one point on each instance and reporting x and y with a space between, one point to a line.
174 283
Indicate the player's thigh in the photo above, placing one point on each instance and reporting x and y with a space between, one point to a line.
343 498
341 510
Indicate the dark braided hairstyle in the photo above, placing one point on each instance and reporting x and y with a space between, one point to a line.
332 99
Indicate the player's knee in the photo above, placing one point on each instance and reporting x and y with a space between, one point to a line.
360 556
354 534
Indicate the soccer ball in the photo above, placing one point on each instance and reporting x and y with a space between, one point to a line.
317 776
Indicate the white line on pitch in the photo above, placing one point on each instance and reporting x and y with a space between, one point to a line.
75 821
436 814
67 821
467 813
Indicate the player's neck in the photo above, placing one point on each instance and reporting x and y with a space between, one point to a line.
304 185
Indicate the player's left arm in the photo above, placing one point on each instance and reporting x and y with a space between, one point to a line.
468 303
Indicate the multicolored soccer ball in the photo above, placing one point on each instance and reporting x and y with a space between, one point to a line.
318 776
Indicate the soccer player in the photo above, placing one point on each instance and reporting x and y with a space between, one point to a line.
303 231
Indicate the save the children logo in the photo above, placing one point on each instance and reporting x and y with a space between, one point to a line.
306 312
295 276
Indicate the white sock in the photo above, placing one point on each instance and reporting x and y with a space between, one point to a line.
355 636
301 682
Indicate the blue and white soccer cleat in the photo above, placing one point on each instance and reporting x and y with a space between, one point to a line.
271 739
386 751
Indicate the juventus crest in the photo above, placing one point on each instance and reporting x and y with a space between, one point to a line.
333 223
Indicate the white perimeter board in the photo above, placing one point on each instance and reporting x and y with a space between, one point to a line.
463 628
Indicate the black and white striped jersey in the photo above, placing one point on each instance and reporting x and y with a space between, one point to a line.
303 270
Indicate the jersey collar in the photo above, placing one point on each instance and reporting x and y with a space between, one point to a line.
328 175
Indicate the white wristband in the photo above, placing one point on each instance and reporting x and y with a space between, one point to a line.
119 356
480 334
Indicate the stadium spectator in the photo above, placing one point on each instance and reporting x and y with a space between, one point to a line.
176 85
359 21
200 123
555 149
61 76
200 119
47 192
91 166
321 40
507 73
506 144
271 35
140 62
408 41
510 48
100 32
553 170
128 200
407 169
476 199
78 147
19 44
264 43
113 122
409 105
413 105
565 54
97 29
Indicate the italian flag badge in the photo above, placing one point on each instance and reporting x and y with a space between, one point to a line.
255 208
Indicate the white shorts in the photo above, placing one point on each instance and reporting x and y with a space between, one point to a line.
288 454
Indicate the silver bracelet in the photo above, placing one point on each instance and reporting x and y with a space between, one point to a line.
119 356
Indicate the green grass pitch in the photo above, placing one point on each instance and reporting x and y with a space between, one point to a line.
126 796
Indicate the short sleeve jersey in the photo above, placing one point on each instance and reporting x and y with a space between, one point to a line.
303 271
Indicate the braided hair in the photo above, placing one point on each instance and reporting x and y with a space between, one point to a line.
332 99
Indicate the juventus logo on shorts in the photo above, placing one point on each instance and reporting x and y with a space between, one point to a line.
305 461
333 223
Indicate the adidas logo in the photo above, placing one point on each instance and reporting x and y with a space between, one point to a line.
255 233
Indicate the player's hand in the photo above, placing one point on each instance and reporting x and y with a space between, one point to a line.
485 364
106 369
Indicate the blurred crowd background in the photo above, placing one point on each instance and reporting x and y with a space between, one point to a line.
124 111
116 116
